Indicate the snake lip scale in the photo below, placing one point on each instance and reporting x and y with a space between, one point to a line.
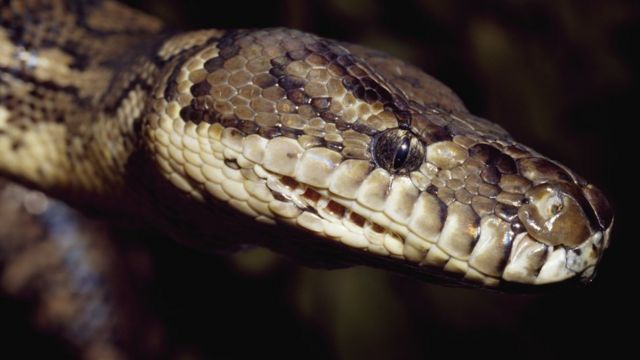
341 153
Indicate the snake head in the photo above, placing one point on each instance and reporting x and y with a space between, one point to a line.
369 156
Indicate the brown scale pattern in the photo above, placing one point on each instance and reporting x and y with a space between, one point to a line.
284 82
362 104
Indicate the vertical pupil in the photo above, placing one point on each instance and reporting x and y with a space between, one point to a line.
402 152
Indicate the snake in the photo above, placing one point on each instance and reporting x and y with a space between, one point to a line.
329 152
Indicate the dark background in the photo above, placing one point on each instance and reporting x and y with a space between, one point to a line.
560 76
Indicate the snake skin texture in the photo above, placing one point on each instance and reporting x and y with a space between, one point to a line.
326 151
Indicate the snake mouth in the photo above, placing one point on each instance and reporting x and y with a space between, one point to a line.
356 226
320 212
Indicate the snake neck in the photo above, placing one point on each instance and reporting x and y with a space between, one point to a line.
72 92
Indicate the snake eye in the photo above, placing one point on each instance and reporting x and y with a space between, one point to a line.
398 151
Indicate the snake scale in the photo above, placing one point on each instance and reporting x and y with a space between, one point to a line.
320 149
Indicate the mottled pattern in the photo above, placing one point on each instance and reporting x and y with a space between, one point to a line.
356 149
361 148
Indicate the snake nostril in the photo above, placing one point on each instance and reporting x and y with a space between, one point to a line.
556 208
557 214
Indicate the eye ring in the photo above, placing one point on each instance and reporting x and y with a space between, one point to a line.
398 151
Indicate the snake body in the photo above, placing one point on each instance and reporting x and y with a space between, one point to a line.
314 147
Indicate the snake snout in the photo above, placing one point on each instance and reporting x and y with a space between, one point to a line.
564 215
602 210
557 214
